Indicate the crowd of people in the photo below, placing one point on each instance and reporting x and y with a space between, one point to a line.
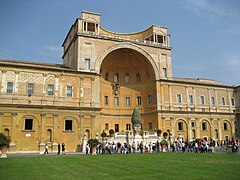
195 146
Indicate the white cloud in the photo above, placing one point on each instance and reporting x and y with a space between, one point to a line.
204 8
54 48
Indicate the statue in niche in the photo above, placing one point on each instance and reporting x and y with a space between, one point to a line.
116 89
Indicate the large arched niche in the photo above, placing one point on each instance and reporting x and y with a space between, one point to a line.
129 46
130 62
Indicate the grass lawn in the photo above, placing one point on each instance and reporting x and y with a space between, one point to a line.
130 166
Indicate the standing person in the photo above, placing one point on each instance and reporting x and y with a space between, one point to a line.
46 149
141 147
134 147
63 149
59 149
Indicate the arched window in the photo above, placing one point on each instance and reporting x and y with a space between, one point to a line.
216 133
127 78
87 131
193 134
6 132
49 135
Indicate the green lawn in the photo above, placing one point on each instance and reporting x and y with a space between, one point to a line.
130 166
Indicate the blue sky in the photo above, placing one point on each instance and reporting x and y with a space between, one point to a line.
205 34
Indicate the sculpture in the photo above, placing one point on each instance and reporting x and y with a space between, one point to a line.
136 121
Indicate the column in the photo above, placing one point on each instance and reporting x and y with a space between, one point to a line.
209 97
42 130
56 89
1 121
198 128
220 128
81 128
13 131
55 132
189 128
170 97
93 117
4 72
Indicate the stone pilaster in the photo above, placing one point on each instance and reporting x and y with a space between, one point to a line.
13 132
55 133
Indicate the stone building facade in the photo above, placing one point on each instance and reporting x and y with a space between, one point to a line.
104 76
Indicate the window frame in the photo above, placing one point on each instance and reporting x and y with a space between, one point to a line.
50 90
202 100
191 99
180 126
30 88
127 101
106 100
127 78
69 93
26 124
179 98
204 126
10 87
116 101
116 78
67 123
139 100
165 73
87 64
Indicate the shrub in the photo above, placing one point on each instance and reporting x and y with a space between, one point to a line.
111 131
4 140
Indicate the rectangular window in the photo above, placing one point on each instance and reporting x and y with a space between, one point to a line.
30 88
106 126
50 90
165 72
232 101
139 100
28 124
116 101
179 98
128 127
106 76
192 124
9 87
68 125
223 101
87 64
213 100
138 77
225 127
202 100
116 127
127 78
106 100
180 126
69 91
116 78
150 126
190 99
149 99
127 101
148 75
204 126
